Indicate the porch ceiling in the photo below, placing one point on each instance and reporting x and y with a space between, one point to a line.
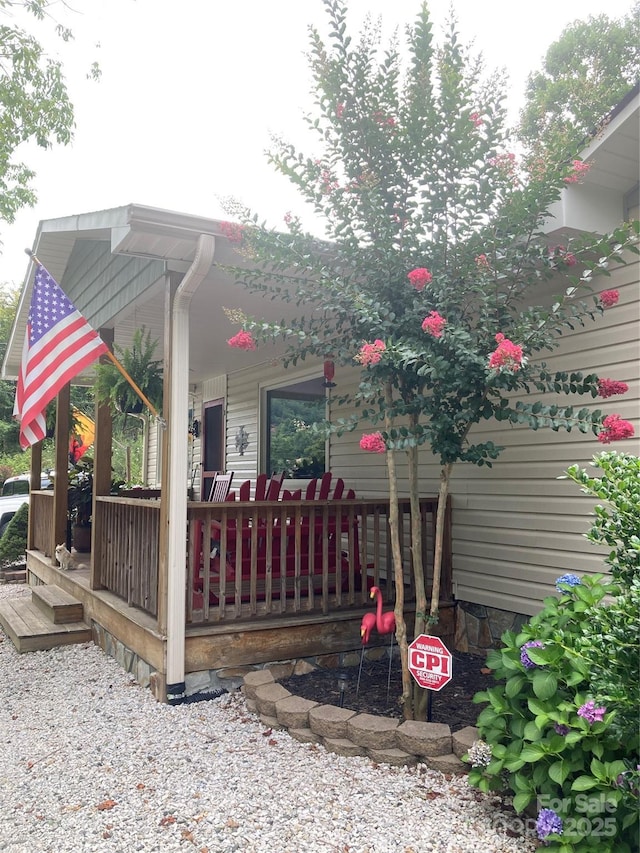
170 237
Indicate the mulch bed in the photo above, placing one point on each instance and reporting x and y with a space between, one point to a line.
452 705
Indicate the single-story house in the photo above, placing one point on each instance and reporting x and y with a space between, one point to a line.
514 527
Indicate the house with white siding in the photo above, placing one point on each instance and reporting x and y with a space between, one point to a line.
514 528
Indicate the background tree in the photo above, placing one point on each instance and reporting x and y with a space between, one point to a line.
34 102
585 73
437 279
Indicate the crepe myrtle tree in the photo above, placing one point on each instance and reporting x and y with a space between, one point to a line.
434 276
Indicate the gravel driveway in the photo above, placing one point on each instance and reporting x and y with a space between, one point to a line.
89 762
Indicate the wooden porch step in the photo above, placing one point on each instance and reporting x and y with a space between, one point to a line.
29 629
56 604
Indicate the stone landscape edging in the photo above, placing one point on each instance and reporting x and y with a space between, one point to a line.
346 732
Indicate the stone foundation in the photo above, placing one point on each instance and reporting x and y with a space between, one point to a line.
479 627
128 660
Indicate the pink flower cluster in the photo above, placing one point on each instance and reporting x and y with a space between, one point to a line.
561 254
383 119
578 170
433 323
339 110
243 340
373 442
328 181
419 278
482 262
505 162
609 298
609 387
507 354
476 118
371 353
615 429
233 231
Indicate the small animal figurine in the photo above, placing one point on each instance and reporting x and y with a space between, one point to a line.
66 559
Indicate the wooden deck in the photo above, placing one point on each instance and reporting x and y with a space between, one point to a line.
295 581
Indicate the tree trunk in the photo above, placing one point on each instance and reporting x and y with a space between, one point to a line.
401 627
443 493
420 696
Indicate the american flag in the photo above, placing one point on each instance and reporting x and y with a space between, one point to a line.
58 345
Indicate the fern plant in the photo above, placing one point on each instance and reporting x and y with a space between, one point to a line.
112 387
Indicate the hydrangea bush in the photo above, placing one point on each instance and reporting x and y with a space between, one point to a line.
561 725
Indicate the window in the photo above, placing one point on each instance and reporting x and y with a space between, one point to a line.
291 444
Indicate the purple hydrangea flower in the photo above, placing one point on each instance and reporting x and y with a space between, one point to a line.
525 660
561 729
548 822
590 713
568 580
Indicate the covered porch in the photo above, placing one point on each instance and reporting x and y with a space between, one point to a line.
186 585
259 616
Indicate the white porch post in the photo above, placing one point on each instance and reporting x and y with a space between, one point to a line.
178 465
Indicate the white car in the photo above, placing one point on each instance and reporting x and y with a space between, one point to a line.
15 492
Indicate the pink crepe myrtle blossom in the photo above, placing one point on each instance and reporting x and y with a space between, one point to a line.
609 388
560 253
578 170
482 262
590 713
384 120
373 442
476 118
339 110
507 354
243 340
233 231
328 182
419 278
615 429
505 163
609 298
433 323
371 353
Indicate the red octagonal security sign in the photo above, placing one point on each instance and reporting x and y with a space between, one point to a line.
430 662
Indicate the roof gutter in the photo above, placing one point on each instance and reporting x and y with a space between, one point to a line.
177 456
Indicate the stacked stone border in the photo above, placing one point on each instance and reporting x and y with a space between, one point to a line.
346 732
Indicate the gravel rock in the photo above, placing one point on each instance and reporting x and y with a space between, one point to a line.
90 763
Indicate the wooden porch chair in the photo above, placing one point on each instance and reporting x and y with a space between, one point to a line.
220 487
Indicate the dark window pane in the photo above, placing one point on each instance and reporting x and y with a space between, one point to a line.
292 445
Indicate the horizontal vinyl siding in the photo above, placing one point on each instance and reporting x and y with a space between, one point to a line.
516 526
242 410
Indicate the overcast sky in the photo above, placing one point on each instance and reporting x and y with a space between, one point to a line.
192 89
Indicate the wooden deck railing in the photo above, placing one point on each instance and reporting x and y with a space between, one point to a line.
41 510
287 557
281 557
129 549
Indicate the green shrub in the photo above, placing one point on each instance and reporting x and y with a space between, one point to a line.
617 523
561 726
13 543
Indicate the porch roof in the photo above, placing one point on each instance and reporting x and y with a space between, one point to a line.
121 255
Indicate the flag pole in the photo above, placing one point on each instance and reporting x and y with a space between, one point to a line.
115 361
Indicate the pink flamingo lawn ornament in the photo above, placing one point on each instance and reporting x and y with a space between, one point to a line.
366 627
385 624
